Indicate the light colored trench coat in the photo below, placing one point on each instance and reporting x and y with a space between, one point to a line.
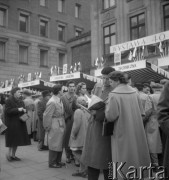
128 142
30 107
152 126
54 120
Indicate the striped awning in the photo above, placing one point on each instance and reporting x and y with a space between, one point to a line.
151 72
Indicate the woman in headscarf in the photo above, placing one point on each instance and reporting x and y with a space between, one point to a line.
128 142
16 133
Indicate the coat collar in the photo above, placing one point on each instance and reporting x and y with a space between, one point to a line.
68 96
123 89
56 98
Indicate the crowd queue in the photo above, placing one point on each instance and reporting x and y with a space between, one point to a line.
73 120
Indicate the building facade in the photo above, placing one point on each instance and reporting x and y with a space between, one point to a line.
34 34
117 21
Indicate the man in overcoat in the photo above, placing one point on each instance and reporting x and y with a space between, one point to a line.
163 118
41 109
97 149
67 99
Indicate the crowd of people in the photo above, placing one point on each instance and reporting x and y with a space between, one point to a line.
72 120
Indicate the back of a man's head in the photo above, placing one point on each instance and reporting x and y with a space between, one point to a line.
107 70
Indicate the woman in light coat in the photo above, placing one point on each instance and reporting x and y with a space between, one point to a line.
30 107
152 129
128 142
78 134
54 124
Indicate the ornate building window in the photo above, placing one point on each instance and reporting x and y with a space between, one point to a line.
137 26
108 4
23 22
44 57
109 34
77 10
61 6
166 16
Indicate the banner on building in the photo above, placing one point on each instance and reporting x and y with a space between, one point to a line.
153 39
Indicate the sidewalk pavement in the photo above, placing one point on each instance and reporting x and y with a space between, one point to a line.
34 165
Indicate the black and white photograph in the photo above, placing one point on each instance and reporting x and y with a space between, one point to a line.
84 89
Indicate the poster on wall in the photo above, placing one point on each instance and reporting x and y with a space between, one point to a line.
64 68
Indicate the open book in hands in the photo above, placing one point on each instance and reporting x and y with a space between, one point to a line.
93 106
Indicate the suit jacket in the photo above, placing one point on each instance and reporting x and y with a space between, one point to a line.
67 101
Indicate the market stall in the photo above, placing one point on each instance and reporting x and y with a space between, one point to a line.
76 77
140 71
37 84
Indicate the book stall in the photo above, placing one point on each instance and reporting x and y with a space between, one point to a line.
73 74
144 59
35 83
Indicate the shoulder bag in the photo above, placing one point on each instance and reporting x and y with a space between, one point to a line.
108 128
24 117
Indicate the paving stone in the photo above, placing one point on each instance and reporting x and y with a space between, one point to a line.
34 165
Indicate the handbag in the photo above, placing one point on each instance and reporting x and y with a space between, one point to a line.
108 128
24 117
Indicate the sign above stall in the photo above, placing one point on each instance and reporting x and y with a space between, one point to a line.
125 67
163 61
30 83
65 77
7 89
156 38
49 84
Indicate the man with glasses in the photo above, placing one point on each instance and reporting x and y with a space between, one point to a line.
67 99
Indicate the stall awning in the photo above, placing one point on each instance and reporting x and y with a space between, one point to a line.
77 77
38 84
141 71
147 74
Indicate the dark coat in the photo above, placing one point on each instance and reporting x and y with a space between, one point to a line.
41 109
67 101
16 133
97 148
163 118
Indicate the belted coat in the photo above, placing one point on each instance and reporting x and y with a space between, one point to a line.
53 119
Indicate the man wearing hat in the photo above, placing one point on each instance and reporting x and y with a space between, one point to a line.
29 105
41 108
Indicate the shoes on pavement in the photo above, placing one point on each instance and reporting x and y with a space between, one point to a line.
80 174
9 158
55 166
61 163
15 158
77 164
68 160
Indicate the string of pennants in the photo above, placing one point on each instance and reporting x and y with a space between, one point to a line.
55 70
139 49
